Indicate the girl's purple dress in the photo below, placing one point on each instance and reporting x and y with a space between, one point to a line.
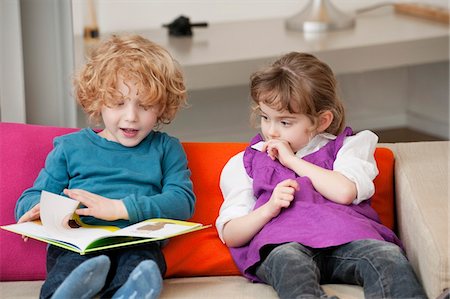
311 219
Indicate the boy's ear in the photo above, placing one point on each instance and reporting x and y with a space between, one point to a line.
325 119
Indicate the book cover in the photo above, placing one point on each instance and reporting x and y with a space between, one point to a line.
60 226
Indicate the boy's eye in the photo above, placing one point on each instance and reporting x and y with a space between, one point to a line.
145 107
285 123
117 104
114 104
264 117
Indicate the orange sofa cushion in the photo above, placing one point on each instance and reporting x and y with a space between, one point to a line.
202 253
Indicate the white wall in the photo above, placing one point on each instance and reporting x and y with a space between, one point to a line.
129 15
428 99
416 97
37 61
48 54
12 91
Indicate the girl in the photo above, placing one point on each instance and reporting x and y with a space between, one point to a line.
123 174
296 211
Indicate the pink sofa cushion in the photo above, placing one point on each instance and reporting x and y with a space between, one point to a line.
23 149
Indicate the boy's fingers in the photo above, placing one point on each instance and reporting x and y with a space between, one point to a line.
25 217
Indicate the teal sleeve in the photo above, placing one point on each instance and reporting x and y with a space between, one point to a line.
177 199
53 178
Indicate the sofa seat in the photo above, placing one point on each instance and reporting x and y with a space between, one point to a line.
217 287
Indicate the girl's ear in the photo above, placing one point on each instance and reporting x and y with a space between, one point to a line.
325 119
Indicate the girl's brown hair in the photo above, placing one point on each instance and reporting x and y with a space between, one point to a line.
299 83
133 59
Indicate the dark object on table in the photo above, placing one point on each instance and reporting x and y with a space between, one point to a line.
181 26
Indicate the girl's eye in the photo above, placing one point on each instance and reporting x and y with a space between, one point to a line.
264 117
285 123
120 104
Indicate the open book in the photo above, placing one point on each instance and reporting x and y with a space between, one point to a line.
61 227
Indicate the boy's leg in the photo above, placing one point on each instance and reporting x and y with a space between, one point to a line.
86 280
290 269
60 263
380 267
144 282
125 260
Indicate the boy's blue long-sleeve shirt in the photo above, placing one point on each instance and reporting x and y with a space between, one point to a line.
152 178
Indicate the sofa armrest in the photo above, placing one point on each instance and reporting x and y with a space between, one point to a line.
422 199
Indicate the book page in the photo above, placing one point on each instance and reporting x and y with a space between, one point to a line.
157 228
30 228
55 228
57 211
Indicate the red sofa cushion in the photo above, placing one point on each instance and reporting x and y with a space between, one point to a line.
23 149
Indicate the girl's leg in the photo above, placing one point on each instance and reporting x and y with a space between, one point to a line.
125 260
291 271
380 267
60 263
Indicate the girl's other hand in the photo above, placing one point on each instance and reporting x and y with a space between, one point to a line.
282 196
33 214
98 206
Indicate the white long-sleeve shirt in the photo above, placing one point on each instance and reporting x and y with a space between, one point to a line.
355 160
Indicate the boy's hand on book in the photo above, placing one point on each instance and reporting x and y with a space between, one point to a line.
33 214
98 206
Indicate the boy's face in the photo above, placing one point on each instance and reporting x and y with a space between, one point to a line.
128 122
295 128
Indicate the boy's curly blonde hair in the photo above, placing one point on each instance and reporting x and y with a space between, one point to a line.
157 76
298 83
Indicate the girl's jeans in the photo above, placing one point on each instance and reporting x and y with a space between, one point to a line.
296 271
61 262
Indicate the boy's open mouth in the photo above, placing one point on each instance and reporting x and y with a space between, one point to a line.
129 132
126 130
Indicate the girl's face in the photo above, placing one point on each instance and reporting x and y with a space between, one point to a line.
128 122
297 129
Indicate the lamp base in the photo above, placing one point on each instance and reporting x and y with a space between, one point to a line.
319 16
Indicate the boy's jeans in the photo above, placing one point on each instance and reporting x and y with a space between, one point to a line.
296 271
60 264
